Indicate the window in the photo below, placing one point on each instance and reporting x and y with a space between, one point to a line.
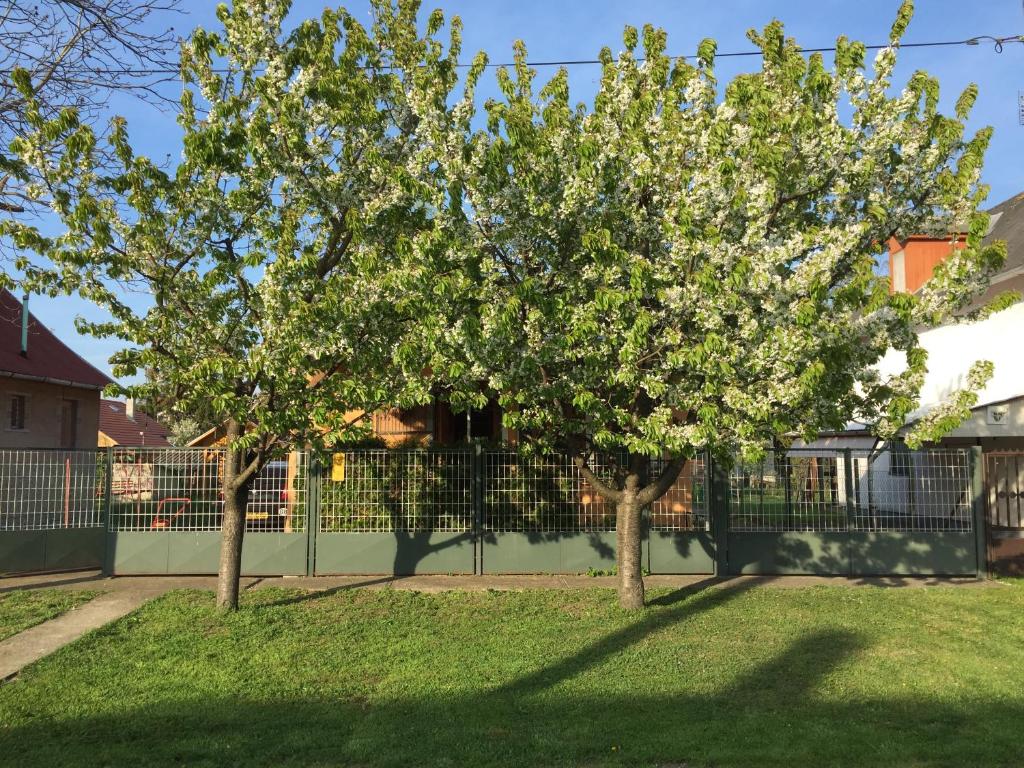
901 461
17 412
68 423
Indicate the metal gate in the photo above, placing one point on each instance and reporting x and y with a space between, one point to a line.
541 516
165 508
1004 498
396 512
856 513
51 510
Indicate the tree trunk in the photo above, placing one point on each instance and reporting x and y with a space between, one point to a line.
232 525
628 540
630 502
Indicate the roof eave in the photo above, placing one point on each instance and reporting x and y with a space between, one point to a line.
51 380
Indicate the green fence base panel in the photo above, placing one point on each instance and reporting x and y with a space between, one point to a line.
274 554
401 553
193 552
789 553
198 553
57 549
892 553
549 552
142 552
70 549
22 551
684 552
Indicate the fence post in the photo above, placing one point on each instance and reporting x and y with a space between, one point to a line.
478 471
719 500
314 483
108 533
850 514
978 509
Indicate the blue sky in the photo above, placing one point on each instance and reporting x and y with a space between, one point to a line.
577 29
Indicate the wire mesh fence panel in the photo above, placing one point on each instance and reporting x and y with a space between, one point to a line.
277 499
180 490
685 506
788 491
921 491
545 493
47 489
379 491
880 490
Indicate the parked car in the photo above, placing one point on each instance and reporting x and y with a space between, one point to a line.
268 499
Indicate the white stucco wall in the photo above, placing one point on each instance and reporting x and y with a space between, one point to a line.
952 350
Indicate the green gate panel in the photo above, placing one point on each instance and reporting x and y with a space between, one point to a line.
681 552
899 553
789 553
548 552
193 552
22 551
521 553
69 549
274 554
138 552
583 551
198 553
401 553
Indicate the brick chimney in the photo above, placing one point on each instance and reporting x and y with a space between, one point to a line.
913 260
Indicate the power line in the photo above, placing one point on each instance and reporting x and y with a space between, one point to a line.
998 43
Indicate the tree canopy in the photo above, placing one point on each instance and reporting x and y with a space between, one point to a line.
276 261
666 271
75 53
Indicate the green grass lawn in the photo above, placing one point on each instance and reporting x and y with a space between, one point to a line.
734 676
21 610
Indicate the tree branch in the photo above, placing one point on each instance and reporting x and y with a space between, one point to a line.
665 481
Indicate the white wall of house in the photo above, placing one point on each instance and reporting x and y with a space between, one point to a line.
952 349
994 420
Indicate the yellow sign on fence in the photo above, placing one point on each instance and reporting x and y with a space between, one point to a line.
338 467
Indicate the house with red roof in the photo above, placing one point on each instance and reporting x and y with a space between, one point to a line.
121 424
49 395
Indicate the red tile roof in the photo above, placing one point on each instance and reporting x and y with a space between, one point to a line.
48 358
115 424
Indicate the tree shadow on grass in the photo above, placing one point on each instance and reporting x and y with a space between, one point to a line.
572 712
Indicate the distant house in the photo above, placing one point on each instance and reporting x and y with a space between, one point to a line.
50 395
433 424
913 259
121 424
996 424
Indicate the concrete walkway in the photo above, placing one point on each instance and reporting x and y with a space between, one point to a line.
34 643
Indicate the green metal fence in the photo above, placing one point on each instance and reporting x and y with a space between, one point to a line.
165 510
470 510
846 512
51 510
398 511
541 516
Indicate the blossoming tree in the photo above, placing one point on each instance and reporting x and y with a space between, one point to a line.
667 271
276 260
